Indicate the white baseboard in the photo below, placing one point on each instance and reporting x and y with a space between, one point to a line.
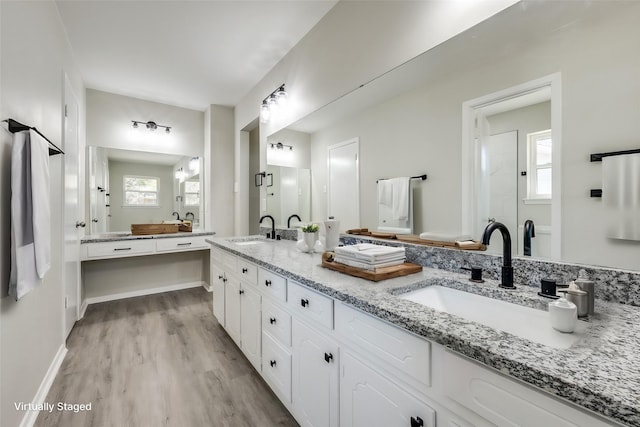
142 292
207 286
83 309
30 416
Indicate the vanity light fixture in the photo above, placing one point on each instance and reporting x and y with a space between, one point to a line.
180 174
151 125
270 105
194 163
280 146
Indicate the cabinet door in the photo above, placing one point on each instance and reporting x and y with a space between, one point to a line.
369 399
217 284
250 321
232 308
315 377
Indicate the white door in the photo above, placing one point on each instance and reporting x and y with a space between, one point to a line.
344 183
501 180
369 399
250 321
217 284
314 378
232 308
73 221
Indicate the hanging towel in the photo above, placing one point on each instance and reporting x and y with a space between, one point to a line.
30 215
385 193
400 203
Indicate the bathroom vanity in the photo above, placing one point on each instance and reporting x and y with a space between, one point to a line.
119 265
339 350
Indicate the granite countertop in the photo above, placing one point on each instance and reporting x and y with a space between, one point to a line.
599 372
118 236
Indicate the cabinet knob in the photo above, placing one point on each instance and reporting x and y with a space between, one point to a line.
241 291
272 320
244 270
267 282
304 302
224 280
272 363
80 224
221 277
328 357
417 422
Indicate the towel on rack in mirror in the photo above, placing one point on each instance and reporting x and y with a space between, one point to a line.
30 213
394 193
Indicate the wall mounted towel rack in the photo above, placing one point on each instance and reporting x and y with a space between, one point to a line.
420 177
597 157
15 126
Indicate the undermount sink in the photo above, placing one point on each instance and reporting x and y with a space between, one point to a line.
525 322
249 242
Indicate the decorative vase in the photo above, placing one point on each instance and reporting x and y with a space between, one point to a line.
310 239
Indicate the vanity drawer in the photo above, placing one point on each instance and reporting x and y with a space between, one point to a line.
276 367
119 249
272 284
406 355
276 322
173 244
247 271
312 306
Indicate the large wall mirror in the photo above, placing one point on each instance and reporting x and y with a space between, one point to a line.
410 121
133 187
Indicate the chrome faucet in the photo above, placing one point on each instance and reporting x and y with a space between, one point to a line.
177 215
271 235
529 232
507 269
289 220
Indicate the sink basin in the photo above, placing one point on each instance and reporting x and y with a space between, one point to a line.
249 242
524 322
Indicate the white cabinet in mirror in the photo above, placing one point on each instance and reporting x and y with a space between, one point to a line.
127 187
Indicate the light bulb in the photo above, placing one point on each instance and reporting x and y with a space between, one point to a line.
194 164
265 114
281 96
135 125
273 104
168 130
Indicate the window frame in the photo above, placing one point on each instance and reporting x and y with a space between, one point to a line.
533 166
124 192
189 192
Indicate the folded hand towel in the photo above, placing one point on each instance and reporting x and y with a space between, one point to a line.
443 237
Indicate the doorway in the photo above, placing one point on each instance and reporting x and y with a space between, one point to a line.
502 134
344 183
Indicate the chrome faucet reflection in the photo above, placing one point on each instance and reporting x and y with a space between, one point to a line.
271 235
529 232
507 269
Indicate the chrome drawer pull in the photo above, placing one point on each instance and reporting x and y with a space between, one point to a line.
122 249
184 244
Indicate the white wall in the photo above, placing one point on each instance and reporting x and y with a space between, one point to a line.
109 125
35 54
222 152
345 50
421 130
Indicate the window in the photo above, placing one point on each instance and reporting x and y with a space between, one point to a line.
140 191
539 164
192 193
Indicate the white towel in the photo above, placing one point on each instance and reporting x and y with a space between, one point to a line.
385 193
370 252
444 237
394 193
30 213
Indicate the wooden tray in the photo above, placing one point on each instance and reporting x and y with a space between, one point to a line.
380 274
144 229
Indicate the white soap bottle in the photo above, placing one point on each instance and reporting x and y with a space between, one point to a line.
563 315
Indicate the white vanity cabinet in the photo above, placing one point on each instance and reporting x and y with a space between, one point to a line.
129 247
369 399
315 376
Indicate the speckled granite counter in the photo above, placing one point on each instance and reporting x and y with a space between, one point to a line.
599 372
117 236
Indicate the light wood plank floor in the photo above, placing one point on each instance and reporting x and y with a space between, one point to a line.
159 360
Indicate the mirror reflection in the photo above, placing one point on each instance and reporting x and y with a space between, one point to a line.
410 121
288 180
134 187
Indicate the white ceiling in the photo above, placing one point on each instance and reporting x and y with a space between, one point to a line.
185 53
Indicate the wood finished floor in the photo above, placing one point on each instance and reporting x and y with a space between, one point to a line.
159 360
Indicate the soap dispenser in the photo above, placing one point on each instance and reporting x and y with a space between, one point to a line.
563 315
